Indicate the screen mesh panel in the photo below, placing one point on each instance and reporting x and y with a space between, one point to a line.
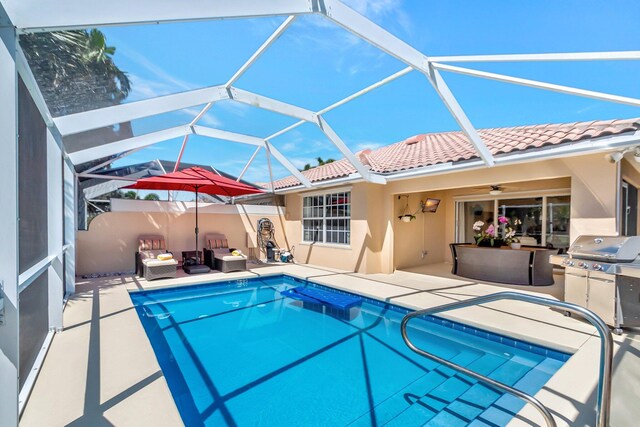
32 185
34 322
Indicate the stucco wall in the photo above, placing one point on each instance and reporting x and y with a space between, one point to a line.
425 233
380 242
368 205
111 241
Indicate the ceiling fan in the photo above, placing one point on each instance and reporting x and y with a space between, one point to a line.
496 189
493 190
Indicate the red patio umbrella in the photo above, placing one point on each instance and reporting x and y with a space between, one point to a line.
196 179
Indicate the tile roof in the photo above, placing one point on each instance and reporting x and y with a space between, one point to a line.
433 148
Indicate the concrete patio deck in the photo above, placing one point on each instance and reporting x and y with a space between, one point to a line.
102 371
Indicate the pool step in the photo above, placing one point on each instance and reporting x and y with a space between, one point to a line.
504 408
458 400
407 396
479 398
429 401
475 399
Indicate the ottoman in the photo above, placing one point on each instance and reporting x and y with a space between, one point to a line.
156 269
227 262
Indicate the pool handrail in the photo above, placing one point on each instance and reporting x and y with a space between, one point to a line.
606 350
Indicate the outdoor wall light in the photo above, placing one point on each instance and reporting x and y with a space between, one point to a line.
614 157
430 205
636 155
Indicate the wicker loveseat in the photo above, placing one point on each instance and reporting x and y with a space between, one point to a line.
147 264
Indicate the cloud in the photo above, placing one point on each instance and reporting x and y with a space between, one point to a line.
154 69
391 11
233 107
355 56
587 108
163 83
367 145
289 146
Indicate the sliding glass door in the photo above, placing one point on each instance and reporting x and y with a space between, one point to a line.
529 213
471 212
539 220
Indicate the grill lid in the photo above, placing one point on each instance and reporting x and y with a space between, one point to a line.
609 248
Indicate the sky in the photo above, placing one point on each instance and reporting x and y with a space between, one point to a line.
316 63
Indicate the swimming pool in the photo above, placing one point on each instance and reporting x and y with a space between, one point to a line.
239 353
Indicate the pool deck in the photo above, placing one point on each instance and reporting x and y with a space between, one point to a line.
101 370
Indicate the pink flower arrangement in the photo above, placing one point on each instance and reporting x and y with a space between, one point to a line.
491 236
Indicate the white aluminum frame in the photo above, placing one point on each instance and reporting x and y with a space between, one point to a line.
10 328
539 85
20 16
337 12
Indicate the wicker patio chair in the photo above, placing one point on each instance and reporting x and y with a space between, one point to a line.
147 264
217 254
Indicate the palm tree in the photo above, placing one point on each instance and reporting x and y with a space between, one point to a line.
321 162
75 70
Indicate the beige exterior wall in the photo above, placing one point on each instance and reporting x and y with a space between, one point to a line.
424 234
368 205
380 242
110 243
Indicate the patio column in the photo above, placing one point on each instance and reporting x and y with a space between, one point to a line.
387 262
55 230
70 227
9 309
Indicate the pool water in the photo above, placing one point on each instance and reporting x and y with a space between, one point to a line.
239 353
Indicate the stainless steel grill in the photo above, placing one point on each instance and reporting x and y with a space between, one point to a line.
602 273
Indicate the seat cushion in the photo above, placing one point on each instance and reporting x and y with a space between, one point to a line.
157 262
230 257
151 254
221 251
148 243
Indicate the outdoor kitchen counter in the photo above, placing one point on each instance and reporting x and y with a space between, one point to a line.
524 266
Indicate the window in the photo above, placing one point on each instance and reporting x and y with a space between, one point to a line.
543 220
529 212
326 218
558 215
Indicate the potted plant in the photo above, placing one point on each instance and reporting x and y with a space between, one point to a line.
491 236
510 235
407 217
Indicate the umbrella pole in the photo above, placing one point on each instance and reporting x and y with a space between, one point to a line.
197 257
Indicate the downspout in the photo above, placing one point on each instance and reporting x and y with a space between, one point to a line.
618 197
